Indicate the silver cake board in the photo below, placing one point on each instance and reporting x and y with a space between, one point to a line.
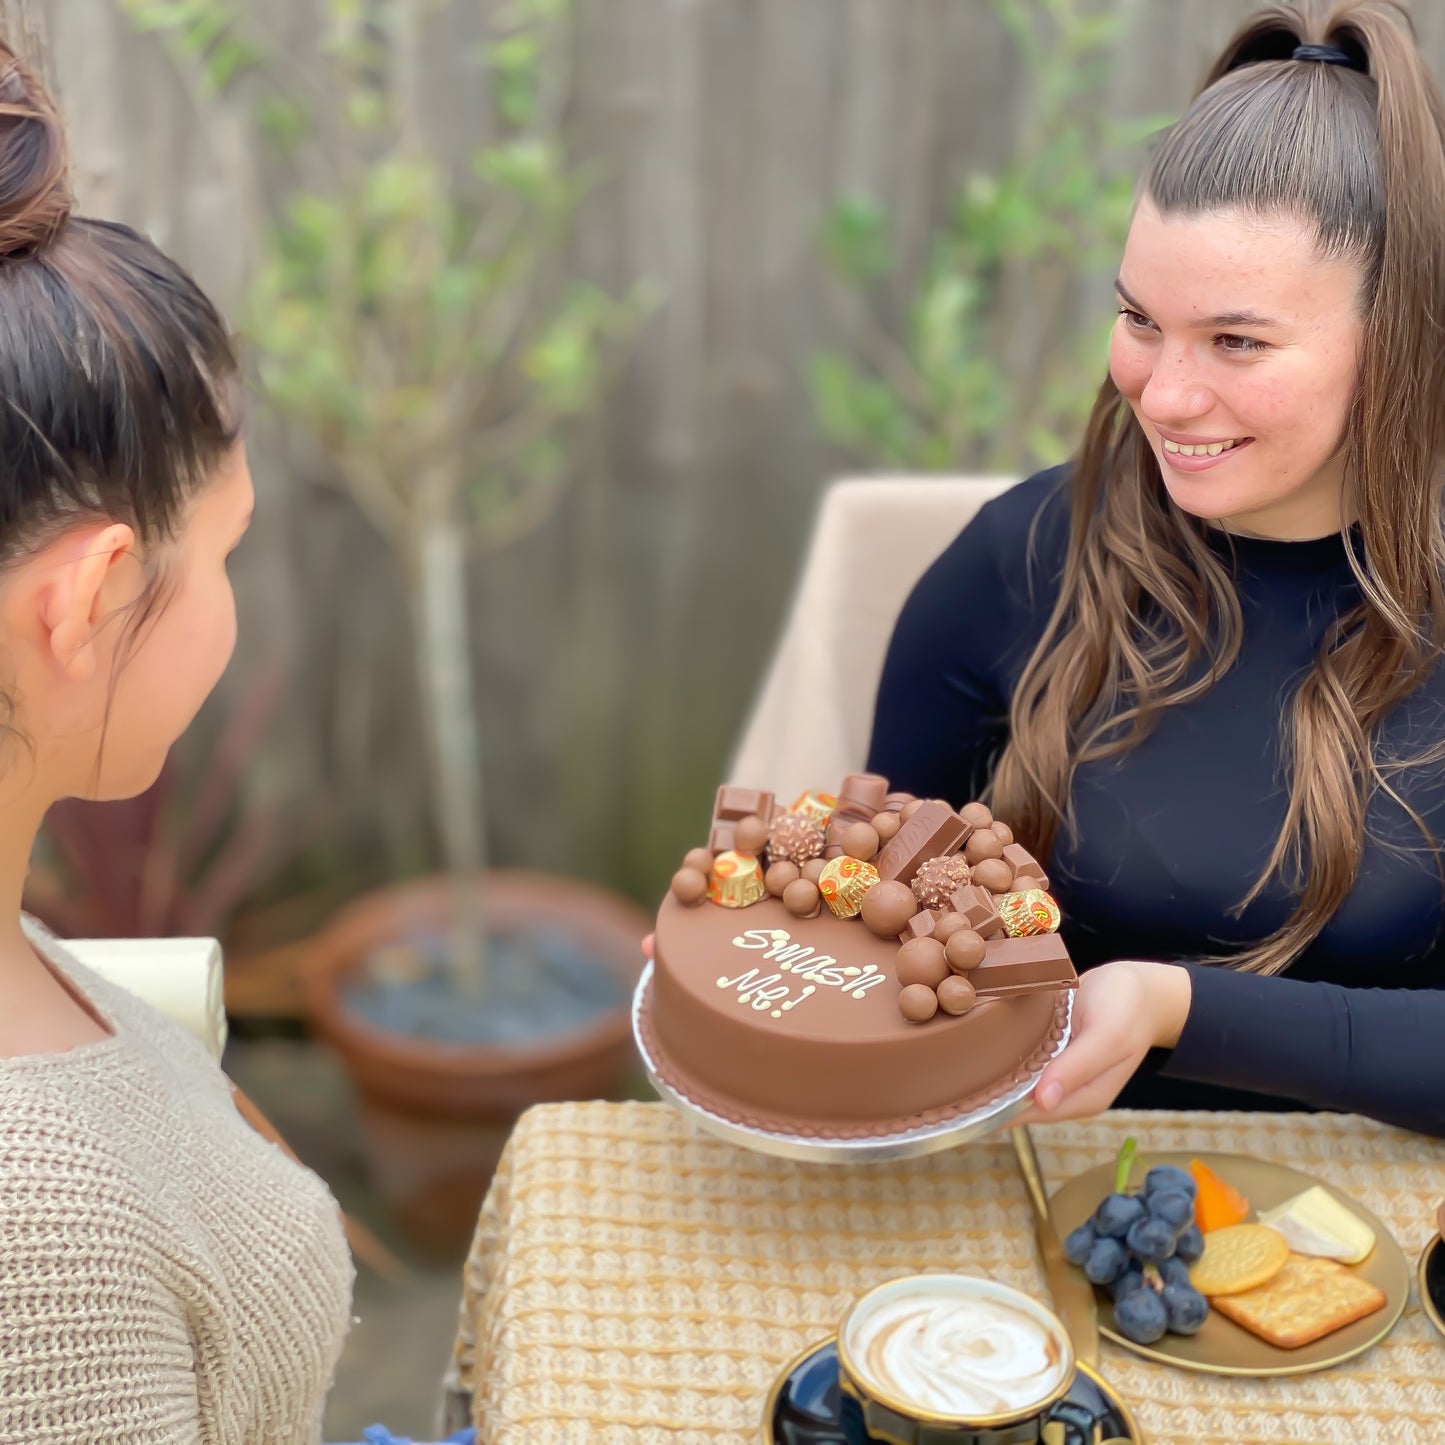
863 1149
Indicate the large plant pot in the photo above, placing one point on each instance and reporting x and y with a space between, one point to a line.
435 1116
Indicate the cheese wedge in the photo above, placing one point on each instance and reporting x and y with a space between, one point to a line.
1316 1223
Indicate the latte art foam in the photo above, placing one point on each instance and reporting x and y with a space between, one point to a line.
956 1357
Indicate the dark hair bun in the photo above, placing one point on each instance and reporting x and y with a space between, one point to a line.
34 191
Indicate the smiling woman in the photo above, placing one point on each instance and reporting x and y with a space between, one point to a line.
1204 679
1241 365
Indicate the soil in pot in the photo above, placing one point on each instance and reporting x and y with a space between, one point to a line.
540 982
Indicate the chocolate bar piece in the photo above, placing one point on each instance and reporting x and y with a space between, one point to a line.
921 925
932 832
1025 865
860 797
1023 965
980 908
734 803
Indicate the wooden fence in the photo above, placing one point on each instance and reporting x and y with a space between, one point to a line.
620 644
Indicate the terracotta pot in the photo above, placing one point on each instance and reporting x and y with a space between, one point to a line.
436 1115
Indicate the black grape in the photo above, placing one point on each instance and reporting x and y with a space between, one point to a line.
1174 1207
1184 1307
1190 1245
1151 1239
1116 1214
1078 1242
1142 1317
1164 1177
1106 1262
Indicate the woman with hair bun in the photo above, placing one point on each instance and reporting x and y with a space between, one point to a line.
167 1277
1201 674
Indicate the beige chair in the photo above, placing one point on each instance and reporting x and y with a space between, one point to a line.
872 540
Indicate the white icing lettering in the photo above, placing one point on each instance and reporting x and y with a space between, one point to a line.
755 938
762 991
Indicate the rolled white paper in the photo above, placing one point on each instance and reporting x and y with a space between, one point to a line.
180 977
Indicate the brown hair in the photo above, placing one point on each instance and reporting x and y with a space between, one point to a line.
118 381
1361 156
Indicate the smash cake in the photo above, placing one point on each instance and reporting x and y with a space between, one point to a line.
854 965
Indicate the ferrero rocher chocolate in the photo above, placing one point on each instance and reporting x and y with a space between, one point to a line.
736 880
844 883
1028 913
938 879
815 807
794 838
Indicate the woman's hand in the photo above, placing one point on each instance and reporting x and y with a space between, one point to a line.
1121 1011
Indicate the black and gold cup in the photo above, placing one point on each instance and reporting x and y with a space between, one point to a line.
950 1359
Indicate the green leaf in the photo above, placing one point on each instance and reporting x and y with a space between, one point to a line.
855 239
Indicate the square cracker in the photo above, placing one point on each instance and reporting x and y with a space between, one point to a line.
1307 1299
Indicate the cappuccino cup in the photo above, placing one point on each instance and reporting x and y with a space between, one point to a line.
948 1359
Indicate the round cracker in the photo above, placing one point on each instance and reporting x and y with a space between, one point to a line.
1242 1257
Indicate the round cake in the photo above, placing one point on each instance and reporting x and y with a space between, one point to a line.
853 965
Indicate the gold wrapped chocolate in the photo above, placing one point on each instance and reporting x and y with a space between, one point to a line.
1027 913
844 883
736 880
816 807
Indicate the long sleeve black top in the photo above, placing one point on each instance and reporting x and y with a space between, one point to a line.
1172 834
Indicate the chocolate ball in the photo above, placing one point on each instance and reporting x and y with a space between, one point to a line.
918 1003
699 858
689 885
947 925
964 950
1005 833
977 814
938 879
750 835
802 899
922 960
910 808
813 869
982 844
885 825
860 841
956 995
993 874
887 907
779 875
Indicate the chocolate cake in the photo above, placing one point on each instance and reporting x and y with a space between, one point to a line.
854 965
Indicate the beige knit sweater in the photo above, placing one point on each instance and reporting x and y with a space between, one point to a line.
167 1277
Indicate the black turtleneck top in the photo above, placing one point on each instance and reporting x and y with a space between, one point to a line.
1172 834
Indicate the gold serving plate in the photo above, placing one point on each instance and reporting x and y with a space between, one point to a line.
1431 1279
1222 1347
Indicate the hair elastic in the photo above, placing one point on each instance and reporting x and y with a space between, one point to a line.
1326 55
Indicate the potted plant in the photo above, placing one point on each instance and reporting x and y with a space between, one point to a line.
422 328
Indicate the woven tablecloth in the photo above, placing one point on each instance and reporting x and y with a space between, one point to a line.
633 1279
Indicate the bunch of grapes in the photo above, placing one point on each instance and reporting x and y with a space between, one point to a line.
1141 1246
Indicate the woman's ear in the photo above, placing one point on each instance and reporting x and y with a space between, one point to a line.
77 583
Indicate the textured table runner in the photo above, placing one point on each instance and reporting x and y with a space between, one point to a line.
634 1280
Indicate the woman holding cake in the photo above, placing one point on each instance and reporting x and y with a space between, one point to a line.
167 1277
1201 676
